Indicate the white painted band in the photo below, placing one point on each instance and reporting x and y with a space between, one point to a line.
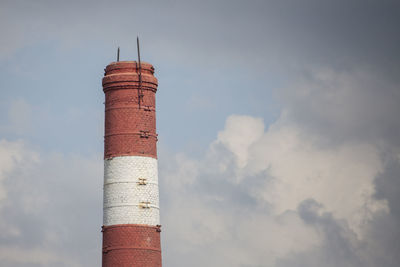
131 191
130 194
130 168
131 215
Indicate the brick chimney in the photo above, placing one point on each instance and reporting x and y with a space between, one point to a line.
131 220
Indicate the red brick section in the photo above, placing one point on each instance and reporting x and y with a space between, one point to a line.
131 246
130 122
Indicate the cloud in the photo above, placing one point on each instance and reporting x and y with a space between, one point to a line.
239 134
50 207
19 118
31 257
12 156
316 187
268 34
289 194
356 105
248 196
312 189
341 177
253 212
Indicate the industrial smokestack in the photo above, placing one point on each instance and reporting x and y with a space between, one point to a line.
131 221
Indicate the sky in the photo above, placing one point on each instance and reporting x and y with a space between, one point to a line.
278 125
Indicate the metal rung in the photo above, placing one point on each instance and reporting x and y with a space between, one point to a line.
144 134
144 205
142 181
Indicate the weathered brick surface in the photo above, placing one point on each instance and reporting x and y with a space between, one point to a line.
128 67
130 120
131 246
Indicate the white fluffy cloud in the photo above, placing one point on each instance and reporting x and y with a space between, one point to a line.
341 178
294 194
276 170
13 157
50 207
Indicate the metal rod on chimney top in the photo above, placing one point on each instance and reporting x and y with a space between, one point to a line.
140 93
118 55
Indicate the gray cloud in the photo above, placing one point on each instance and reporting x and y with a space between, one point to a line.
289 202
385 228
250 201
317 187
339 33
345 106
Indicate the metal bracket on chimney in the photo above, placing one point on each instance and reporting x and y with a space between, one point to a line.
142 181
144 134
144 205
